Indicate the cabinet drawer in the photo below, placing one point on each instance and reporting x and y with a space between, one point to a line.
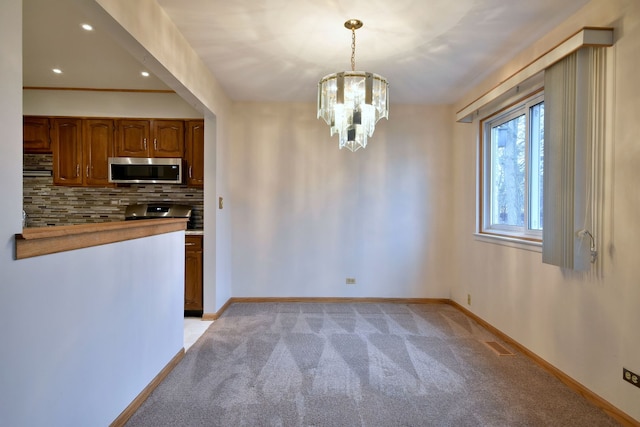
193 243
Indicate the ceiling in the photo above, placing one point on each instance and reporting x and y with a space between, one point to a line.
431 51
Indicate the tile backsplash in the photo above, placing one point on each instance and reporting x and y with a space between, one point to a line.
46 204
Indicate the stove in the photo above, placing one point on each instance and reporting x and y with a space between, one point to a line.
158 210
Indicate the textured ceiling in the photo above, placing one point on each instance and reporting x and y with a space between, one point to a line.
431 51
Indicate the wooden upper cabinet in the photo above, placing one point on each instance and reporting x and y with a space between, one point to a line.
150 138
168 138
66 142
97 147
81 147
35 135
194 153
133 139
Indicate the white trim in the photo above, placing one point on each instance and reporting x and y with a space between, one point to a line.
512 242
521 108
585 37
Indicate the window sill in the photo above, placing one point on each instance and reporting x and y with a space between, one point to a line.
512 242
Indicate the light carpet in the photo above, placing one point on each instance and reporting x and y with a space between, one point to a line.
357 364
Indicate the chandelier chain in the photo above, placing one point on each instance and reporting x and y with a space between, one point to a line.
353 49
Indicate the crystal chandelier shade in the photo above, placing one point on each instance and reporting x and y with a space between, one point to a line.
352 102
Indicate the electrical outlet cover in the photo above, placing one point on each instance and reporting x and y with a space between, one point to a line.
631 377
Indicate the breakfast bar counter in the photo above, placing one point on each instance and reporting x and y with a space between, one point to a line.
48 240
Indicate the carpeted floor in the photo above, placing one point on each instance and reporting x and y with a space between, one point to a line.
364 364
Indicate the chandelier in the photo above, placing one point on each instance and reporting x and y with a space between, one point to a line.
352 102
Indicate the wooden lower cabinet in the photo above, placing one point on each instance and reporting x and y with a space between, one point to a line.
193 275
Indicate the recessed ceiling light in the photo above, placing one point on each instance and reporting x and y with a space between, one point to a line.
144 74
57 70
87 27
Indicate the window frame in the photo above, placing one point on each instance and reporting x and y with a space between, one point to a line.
502 232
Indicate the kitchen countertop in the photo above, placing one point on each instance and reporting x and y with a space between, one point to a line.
38 241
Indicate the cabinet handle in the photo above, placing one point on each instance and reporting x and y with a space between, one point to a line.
78 169
189 244
87 171
144 140
190 175
155 144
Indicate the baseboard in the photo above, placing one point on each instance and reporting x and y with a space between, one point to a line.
217 314
144 394
611 410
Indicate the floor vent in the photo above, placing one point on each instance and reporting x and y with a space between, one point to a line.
499 348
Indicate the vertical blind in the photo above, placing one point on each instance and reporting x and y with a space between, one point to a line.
573 158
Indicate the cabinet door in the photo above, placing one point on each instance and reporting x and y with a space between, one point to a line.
193 274
168 138
97 148
66 136
195 153
133 138
35 135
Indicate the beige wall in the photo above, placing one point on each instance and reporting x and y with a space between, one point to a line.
306 215
106 104
583 324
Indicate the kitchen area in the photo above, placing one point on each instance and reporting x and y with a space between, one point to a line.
47 204
93 305
101 104
67 178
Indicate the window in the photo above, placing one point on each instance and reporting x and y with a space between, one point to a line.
512 170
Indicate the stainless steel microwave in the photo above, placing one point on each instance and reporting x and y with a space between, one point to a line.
143 170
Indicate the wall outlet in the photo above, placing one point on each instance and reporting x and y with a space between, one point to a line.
351 280
630 377
468 299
